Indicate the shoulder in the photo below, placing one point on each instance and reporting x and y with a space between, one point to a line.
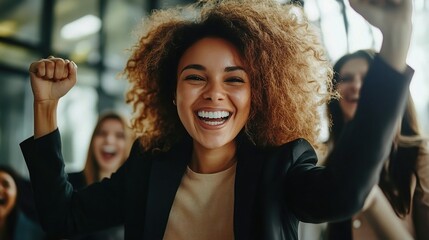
27 229
139 152
75 175
295 153
77 179
294 149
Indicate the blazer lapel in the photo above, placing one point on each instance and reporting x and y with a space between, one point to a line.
249 166
165 177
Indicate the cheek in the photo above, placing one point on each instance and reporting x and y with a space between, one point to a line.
341 89
185 97
242 100
348 110
12 196
97 144
342 106
186 94
122 145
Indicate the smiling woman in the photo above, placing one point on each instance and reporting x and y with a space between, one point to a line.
14 225
213 101
225 104
404 178
108 149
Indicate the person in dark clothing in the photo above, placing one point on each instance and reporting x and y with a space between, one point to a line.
14 224
108 149
404 179
225 95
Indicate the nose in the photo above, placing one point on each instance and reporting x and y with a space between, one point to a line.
357 83
214 91
110 138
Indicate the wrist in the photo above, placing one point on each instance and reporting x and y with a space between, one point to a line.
45 117
395 45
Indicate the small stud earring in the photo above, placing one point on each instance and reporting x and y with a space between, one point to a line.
174 101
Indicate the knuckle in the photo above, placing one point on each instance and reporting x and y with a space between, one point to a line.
40 66
60 61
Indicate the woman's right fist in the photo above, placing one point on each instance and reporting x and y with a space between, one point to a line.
52 78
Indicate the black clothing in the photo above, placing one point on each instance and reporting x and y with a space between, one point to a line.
274 187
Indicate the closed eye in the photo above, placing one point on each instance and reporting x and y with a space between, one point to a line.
194 77
234 80
346 78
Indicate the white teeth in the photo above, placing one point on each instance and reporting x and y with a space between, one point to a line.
109 149
213 123
213 115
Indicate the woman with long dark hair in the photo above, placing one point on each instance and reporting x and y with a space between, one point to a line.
404 179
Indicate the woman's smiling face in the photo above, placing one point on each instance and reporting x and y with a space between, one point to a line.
213 92
352 74
8 194
109 145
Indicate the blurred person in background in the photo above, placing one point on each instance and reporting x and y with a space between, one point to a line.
14 224
404 180
108 149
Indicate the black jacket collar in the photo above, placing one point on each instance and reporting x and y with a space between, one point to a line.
165 177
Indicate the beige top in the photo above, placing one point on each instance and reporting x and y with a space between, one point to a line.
366 225
417 221
203 207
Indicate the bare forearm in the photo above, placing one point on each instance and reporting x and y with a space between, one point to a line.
51 79
45 117
393 18
396 42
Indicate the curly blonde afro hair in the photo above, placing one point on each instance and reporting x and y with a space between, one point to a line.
289 71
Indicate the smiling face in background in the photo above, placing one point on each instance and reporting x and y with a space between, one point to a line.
109 145
8 194
213 92
351 75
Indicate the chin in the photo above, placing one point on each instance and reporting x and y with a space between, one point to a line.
213 144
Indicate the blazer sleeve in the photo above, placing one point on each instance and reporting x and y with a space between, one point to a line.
421 195
339 190
62 210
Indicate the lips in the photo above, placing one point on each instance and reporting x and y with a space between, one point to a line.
213 118
351 99
108 151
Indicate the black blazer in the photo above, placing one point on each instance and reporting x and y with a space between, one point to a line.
274 187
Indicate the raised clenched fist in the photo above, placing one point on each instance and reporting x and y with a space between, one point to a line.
52 78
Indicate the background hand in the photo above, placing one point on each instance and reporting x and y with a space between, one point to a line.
384 14
52 78
393 18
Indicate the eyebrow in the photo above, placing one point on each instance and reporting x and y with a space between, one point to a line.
202 68
234 68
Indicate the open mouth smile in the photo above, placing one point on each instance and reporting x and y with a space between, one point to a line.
108 152
3 200
213 118
351 99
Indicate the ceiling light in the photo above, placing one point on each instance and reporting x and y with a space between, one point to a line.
81 27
